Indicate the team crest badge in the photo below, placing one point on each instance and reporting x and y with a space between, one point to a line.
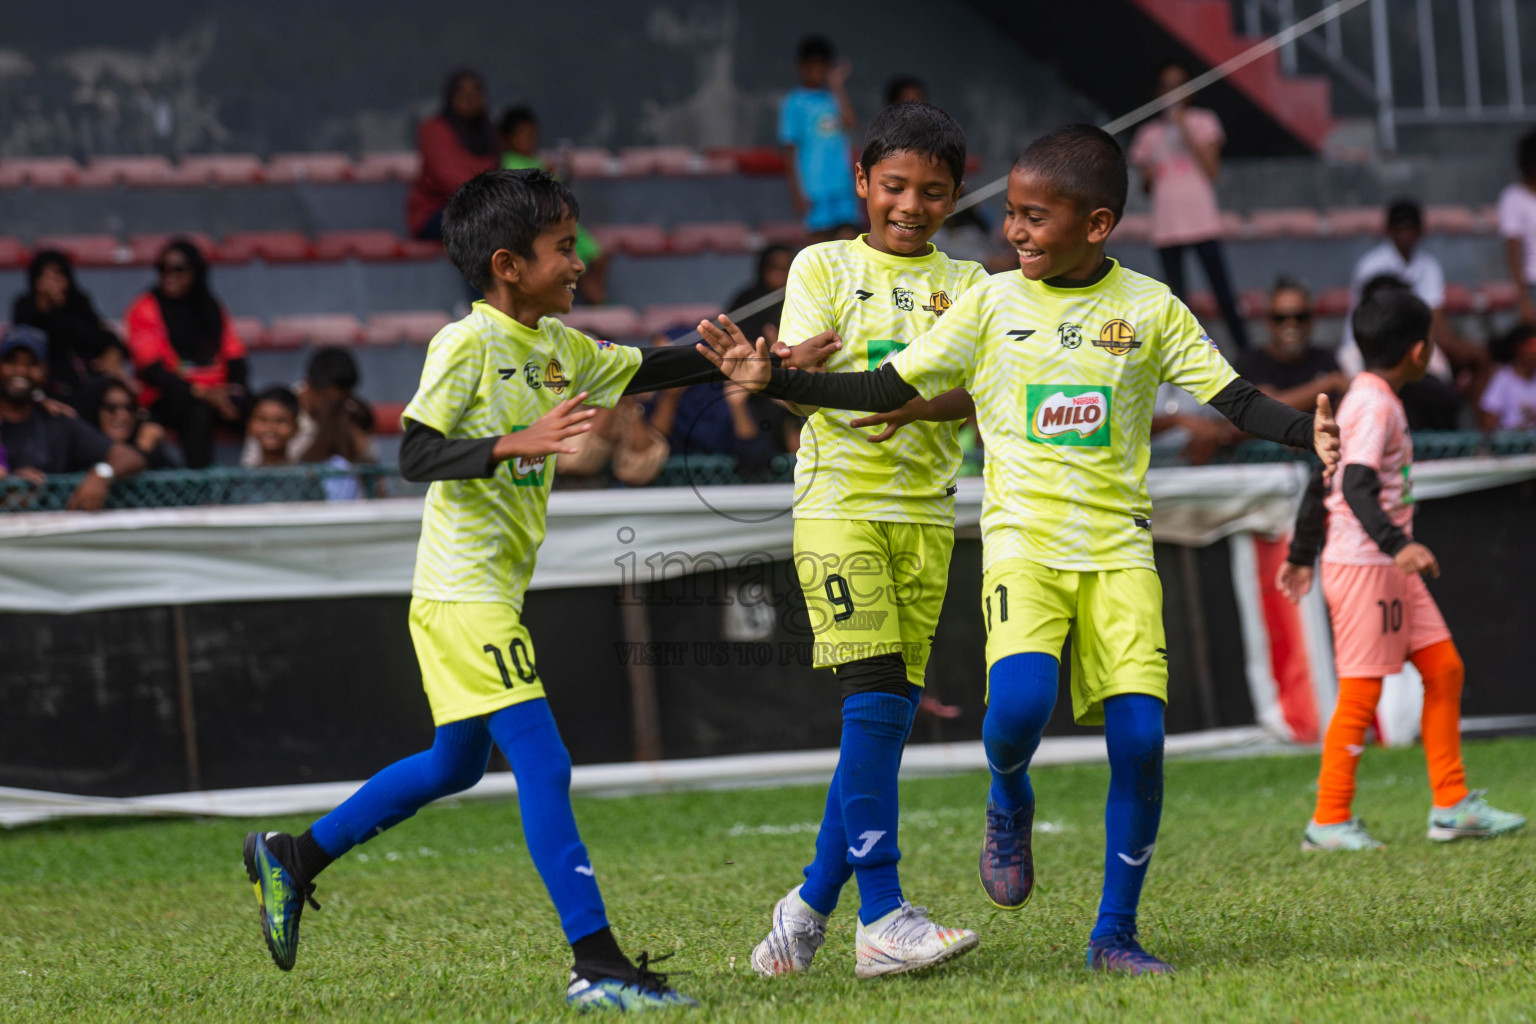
1071 335
1117 338
554 379
902 297
531 375
938 302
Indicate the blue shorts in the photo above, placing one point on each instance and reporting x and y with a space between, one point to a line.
834 210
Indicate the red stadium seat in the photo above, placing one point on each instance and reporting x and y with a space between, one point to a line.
39 172
783 232
635 239
1253 303
686 314
1285 223
106 171
386 418
415 328
86 250
362 245
1459 299
1234 225
1450 220
1333 302
318 168
271 246
218 169
1487 219
420 249
604 321
143 250
639 161
13 253
593 162
1203 305
1134 227
402 166
1499 295
1356 220
250 330
315 329
712 236
765 161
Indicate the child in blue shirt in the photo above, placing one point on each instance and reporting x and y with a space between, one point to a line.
814 122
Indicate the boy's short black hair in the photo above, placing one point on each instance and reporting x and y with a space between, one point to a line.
815 48
1083 163
896 86
502 209
1525 154
515 116
279 395
1405 211
920 128
1382 283
332 367
1503 347
1387 325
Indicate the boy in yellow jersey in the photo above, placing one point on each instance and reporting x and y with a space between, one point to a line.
1063 361
874 525
501 396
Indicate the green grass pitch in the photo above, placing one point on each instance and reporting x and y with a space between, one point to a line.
445 919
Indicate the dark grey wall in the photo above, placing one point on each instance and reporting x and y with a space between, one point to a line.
98 76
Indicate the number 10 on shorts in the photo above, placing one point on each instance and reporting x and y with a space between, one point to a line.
522 662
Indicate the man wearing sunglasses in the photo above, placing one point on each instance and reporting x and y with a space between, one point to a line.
1289 367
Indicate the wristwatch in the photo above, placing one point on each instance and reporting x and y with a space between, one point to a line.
104 470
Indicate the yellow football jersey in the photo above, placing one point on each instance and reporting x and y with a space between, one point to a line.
877 303
485 376
1064 379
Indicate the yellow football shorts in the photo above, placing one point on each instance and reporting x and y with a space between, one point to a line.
475 658
1114 617
873 588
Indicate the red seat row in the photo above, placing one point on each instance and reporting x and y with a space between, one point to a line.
1268 225
1334 303
235 247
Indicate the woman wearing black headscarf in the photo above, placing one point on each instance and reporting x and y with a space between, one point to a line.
186 353
455 146
80 345
109 405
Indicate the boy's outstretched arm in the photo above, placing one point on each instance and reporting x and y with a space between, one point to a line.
1295 576
951 405
426 455
1253 412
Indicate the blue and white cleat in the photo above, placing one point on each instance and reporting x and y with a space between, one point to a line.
797 933
279 893
1122 954
636 991
1471 818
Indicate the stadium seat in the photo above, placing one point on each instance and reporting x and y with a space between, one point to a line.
1355 220
38 172
420 249
361 244
711 236
783 232
593 162
415 328
272 246
143 250
1284 223
86 250
1234 225
1203 305
1134 227
604 321
640 161
1499 295
218 169
402 166
1333 302
1253 302
1450 220
386 418
1459 299
635 239
250 330
1487 219
685 314
13 254
318 168
107 171
764 161
315 329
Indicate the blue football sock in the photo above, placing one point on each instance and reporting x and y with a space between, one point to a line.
1133 731
526 733
829 871
875 726
1021 694
456 761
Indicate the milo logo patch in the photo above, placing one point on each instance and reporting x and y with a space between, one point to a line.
528 471
1070 414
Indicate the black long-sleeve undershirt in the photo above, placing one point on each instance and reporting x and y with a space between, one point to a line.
1362 490
1311 519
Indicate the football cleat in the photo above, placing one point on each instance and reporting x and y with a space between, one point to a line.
1122 954
280 895
1471 818
1345 835
632 991
796 935
905 940
1007 859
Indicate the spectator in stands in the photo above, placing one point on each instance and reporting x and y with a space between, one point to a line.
186 353
271 430
518 133
110 406
1179 155
772 274
905 89
718 419
621 440
455 146
38 442
80 344
330 378
815 121
342 429
1455 360
1290 368
1431 402
1509 402
1517 223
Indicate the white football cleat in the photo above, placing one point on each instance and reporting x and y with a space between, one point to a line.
905 940
797 933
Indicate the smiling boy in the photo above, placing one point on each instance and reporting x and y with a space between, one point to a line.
1063 361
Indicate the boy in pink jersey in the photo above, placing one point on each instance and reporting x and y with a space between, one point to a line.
1373 569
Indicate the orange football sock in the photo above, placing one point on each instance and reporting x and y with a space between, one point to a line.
1441 667
1342 747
